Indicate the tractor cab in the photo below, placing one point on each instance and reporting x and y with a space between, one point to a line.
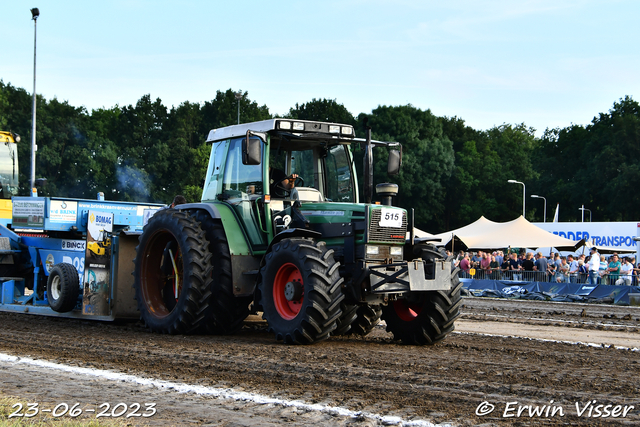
275 171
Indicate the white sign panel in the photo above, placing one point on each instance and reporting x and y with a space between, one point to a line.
99 222
63 211
74 245
28 212
614 234
390 218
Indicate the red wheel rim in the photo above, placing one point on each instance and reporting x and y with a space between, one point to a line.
153 280
407 311
286 309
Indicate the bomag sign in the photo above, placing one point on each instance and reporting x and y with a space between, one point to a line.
101 220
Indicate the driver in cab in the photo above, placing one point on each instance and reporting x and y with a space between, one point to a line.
279 183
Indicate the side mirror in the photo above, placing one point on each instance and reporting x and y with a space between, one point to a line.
394 162
251 151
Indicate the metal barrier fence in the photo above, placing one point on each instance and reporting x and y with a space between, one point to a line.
537 276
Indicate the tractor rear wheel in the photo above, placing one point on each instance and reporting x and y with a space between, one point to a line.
359 319
172 273
368 316
226 311
300 291
348 316
424 317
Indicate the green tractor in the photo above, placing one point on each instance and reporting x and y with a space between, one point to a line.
281 230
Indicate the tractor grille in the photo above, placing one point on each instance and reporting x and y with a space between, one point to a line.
386 234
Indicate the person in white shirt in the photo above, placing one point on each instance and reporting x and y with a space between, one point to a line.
594 266
625 273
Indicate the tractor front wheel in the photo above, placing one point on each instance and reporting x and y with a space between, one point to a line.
300 291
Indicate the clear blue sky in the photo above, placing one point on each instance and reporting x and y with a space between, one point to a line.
544 63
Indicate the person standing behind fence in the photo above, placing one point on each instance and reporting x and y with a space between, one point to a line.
614 269
602 269
504 267
562 273
528 267
514 266
583 271
594 267
475 260
625 273
573 269
541 266
465 264
485 264
499 257
494 268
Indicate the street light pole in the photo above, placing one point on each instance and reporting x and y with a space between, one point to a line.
585 209
513 181
239 97
545 206
34 14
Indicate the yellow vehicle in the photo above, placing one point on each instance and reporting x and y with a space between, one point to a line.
101 247
8 173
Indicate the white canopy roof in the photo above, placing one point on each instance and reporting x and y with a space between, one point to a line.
486 234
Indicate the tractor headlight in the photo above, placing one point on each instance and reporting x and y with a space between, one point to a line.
298 126
334 129
284 125
395 251
373 250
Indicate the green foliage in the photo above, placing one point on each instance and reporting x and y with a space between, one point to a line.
452 174
596 165
427 159
324 110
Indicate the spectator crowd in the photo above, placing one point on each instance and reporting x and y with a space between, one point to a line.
528 267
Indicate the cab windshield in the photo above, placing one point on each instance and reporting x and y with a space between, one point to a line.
326 170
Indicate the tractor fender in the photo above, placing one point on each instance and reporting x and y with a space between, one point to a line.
288 234
237 241
211 209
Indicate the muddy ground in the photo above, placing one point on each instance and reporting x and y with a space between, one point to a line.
445 383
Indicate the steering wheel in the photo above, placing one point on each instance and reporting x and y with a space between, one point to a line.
297 182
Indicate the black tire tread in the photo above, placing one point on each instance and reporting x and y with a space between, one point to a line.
226 312
188 314
70 287
435 321
317 318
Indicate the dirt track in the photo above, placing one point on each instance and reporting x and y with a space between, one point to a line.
445 383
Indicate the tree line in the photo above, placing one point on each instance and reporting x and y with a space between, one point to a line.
451 174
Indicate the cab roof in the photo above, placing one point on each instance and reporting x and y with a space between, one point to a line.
339 131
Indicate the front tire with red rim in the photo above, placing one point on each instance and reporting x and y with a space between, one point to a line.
424 317
300 291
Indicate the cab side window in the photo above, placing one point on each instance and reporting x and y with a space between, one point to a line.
240 181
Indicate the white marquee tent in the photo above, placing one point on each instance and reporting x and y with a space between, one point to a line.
485 234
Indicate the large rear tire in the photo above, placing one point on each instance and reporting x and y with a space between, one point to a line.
172 273
424 317
226 311
300 291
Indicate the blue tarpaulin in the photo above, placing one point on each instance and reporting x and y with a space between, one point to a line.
579 292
